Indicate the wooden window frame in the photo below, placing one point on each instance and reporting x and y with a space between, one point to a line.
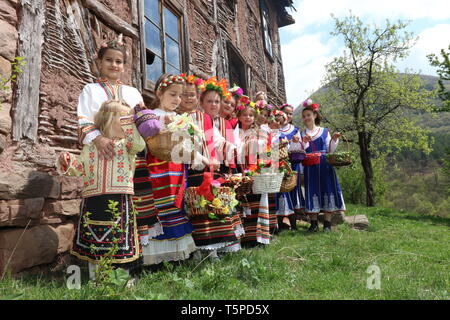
235 55
147 84
268 53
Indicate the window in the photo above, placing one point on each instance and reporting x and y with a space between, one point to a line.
236 68
265 28
162 41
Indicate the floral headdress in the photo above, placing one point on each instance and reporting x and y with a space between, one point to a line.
263 104
221 87
309 103
170 80
236 90
279 113
198 82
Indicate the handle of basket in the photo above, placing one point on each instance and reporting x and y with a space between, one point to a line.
346 142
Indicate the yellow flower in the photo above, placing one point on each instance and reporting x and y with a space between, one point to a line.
203 203
217 202
225 210
252 104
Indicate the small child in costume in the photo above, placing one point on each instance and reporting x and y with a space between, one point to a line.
107 181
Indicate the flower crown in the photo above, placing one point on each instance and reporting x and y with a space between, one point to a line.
170 80
236 90
263 104
309 103
198 82
221 87
279 113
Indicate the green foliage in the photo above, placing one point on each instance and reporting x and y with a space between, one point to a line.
351 179
418 187
16 69
444 75
367 97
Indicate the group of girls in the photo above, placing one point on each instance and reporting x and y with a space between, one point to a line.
133 204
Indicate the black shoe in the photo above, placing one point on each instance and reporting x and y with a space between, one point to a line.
314 226
293 221
327 226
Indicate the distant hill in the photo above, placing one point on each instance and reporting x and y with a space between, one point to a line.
438 124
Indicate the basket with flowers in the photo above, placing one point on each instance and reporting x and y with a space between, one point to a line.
163 144
210 199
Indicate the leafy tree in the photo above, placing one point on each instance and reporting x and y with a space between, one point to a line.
368 99
444 75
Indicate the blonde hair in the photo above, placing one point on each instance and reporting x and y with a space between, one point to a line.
109 110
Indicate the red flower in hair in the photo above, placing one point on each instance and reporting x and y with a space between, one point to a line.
315 106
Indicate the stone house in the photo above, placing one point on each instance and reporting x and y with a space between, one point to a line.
235 39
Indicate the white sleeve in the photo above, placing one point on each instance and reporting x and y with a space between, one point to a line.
86 116
331 144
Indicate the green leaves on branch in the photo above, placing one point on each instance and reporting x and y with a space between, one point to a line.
444 75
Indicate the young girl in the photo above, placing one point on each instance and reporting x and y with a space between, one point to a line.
322 189
168 181
289 203
111 60
251 141
211 234
105 181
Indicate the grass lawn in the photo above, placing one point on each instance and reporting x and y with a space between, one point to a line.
411 250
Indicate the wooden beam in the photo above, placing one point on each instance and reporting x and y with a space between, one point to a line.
31 38
111 19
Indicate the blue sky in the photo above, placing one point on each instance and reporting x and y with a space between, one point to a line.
307 45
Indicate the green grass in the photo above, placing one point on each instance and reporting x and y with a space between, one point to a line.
412 251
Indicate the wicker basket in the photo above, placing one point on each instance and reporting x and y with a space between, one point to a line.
267 183
340 159
241 186
225 194
289 182
161 145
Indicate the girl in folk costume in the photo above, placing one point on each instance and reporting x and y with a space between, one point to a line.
214 234
107 181
288 203
112 57
168 181
322 190
228 105
252 143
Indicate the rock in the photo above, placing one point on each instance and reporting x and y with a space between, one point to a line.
336 218
8 12
8 40
30 184
71 187
359 221
5 118
18 212
38 245
58 207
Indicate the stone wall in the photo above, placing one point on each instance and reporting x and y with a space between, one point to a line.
38 208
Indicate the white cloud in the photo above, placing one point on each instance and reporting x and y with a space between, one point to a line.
310 12
309 47
304 60
431 40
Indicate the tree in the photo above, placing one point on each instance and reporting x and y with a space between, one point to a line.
368 98
444 75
